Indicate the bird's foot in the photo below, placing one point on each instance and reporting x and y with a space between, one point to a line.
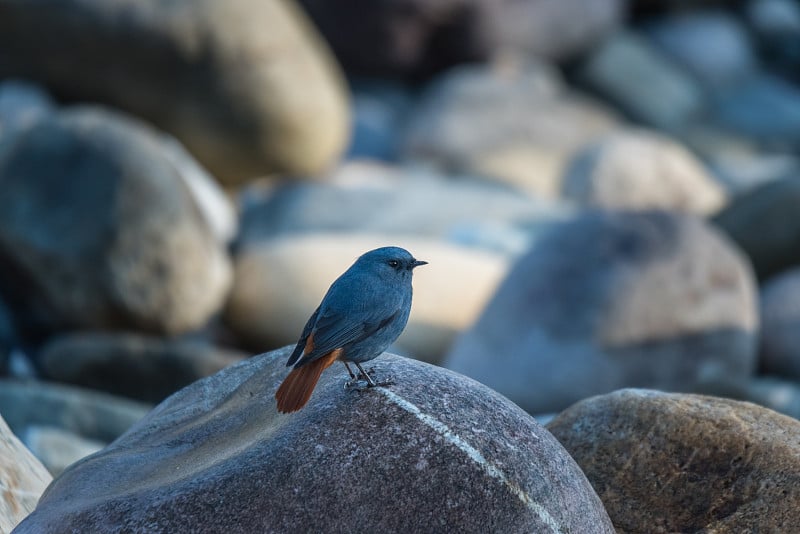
366 374
365 382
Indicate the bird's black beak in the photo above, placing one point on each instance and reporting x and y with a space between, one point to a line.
417 263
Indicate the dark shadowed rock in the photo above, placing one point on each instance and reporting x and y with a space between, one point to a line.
246 85
610 300
22 479
135 366
434 451
100 227
413 38
780 325
764 223
686 463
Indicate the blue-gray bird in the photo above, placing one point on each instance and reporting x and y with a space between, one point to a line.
362 313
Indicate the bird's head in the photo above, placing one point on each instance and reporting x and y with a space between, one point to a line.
390 261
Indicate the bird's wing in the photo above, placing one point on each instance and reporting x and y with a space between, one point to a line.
303 341
334 330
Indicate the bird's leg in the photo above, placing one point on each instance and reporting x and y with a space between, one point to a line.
372 383
365 374
349 371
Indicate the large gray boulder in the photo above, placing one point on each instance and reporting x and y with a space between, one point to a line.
686 463
102 226
434 451
615 299
248 86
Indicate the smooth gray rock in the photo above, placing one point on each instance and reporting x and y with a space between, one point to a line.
380 110
434 451
686 463
248 86
400 200
713 45
57 448
21 104
763 222
645 84
615 299
135 366
89 414
98 229
780 325
772 392
763 107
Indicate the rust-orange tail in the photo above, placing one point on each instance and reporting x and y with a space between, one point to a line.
297 387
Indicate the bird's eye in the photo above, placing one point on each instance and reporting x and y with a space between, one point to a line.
394 264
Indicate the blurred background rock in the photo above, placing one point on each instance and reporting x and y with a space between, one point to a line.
606 190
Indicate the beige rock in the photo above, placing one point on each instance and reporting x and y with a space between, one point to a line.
279 283
22 479
686 463
514 123
639 169
248 86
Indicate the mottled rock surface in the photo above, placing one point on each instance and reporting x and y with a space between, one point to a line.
686 463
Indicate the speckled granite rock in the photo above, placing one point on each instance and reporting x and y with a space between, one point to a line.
434 451
686 463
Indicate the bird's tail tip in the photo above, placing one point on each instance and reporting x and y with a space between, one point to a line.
295 390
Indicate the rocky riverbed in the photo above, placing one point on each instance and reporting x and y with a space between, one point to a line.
606 192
